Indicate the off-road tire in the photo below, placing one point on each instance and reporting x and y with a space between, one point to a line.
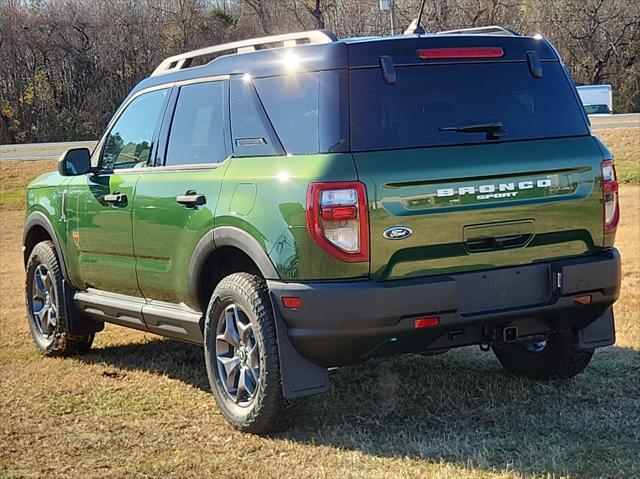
267 411
560 357
61 342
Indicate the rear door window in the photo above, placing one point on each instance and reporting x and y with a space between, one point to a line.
429 98
199 129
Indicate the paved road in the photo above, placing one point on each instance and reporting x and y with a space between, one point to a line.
41 151
626 120
47 151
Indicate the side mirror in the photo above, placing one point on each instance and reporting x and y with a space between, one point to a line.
75 162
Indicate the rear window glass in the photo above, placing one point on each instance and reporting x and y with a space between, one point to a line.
307 111
291 102
427 98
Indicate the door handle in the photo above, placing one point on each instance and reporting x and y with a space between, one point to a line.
116 198
191 199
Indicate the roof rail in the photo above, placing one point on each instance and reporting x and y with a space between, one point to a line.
490 30
179 62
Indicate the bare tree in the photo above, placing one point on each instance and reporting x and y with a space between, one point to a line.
68 63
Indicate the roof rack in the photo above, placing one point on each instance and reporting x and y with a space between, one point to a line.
184 60
490 30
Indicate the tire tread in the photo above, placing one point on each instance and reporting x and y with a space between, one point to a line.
268 413
65 343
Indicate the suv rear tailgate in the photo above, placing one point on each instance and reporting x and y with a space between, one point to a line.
482 206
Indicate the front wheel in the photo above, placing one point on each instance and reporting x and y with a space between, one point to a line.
555 357
241 355
46 307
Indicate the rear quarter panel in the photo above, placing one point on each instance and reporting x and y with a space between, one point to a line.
266 197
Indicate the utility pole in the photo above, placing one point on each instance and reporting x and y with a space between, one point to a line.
389 6
393 16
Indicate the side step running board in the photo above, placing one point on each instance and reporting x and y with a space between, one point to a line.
156 317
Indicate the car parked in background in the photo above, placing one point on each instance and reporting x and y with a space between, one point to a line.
596 99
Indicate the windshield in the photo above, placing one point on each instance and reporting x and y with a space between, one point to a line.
596 109
443 104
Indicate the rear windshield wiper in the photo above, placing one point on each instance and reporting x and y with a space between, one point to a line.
493 130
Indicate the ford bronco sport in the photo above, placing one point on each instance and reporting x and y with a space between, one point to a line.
298 202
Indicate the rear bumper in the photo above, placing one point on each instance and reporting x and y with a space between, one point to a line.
346 322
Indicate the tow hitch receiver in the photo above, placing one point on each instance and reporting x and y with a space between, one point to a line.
510 334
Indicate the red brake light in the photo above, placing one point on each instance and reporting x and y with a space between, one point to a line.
610 205
429 322
475 52
338 213
338 219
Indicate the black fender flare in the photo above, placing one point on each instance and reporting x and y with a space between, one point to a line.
78 323
37 218
218 238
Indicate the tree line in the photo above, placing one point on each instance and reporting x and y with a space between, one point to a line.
67 64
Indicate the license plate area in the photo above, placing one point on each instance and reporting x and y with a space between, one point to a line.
503 289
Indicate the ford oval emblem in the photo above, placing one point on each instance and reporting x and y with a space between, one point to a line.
397 232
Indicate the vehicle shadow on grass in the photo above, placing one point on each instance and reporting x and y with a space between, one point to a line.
459 408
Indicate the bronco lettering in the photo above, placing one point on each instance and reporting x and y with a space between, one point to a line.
506 189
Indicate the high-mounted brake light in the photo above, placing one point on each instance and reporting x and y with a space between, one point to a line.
475 52
610 206
338 220
428 322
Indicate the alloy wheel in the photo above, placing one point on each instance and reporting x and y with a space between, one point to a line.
44 304
237 355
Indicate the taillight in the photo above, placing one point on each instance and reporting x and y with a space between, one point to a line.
611 209
474 52
337 219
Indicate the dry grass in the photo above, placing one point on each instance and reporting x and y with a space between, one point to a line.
625 144
139 406
14 176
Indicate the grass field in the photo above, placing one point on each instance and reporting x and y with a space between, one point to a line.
139 406
625 144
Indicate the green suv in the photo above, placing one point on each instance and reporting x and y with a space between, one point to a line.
298 202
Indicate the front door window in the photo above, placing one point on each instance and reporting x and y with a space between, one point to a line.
129 143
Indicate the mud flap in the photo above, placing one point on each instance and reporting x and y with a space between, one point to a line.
78 323
300 377
598 333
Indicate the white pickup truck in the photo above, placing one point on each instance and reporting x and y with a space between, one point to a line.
596 99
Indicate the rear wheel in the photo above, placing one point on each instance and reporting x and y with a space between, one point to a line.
241 354
555 357
46 308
